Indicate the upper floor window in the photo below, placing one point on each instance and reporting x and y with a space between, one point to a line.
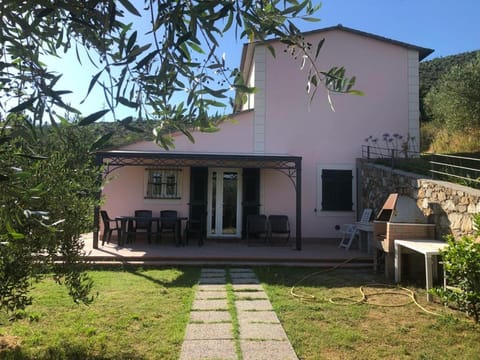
163 184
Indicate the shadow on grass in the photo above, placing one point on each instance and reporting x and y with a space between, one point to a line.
69 351
188 278
309 276
185 277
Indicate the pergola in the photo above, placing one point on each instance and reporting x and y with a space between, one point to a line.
289 165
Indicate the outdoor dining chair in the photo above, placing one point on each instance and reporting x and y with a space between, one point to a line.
166 225
141 224
257 227
109 225
195 228
279 225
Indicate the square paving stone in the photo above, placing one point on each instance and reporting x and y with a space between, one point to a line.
267 350
213 274
236 270
208 349
242 274
207 331
212 271
245 280
210 316
211 287
212 280
220 304
258 317
247 287
262 331
207 295
251 295
253 305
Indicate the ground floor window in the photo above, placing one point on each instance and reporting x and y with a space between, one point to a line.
336 188
163 184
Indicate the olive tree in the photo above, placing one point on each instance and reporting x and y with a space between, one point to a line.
455 100
45 189
47 203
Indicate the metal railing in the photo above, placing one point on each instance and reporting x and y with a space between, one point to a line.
378 152
460 169
464 169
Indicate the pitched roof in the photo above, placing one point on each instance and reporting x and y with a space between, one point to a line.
422 52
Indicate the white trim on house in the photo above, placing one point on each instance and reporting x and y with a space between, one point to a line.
413 101
260 85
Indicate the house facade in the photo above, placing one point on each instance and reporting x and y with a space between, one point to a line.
279 153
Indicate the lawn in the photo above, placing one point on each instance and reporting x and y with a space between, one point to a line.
142 314
334 325
138 314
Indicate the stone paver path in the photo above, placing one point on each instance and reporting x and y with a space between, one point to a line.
211 333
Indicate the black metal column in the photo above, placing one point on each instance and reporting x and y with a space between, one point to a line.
96 209
298 193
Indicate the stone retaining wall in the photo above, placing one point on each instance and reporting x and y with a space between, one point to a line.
450 206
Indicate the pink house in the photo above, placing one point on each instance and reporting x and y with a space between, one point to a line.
279 154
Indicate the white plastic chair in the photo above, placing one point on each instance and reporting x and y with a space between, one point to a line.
350 231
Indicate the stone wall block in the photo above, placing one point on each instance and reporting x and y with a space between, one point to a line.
441 196
425 204
466 226
455 221
450 206
471 208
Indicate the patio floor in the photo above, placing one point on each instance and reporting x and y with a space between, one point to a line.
315 252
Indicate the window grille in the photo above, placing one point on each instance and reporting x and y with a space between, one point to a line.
163 184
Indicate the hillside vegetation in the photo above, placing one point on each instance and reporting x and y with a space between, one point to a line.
448 82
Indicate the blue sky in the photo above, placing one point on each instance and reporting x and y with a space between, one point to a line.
446 26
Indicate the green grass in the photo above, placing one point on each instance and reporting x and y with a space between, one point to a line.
378 328
143 313
138 314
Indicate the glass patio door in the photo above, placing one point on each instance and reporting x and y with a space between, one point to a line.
224 203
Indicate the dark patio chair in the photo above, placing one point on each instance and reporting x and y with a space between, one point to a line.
109 225
195 229
140 224
166 225
257 228
279 225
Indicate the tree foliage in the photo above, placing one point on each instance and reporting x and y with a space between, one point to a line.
432 70
47 203
455 100
179 54
45 174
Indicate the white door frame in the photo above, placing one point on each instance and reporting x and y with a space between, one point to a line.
217 231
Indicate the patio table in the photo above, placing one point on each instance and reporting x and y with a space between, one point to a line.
125 222
429 248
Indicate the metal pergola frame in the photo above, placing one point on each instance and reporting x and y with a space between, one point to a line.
291 166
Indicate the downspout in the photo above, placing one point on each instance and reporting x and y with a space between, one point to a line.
298 193
96 209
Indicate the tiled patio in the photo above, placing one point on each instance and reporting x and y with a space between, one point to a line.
315 252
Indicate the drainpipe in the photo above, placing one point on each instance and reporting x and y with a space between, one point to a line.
298 217
96 209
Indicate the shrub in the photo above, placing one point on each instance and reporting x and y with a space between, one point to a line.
461 261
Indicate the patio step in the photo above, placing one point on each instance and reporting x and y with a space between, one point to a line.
159 261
